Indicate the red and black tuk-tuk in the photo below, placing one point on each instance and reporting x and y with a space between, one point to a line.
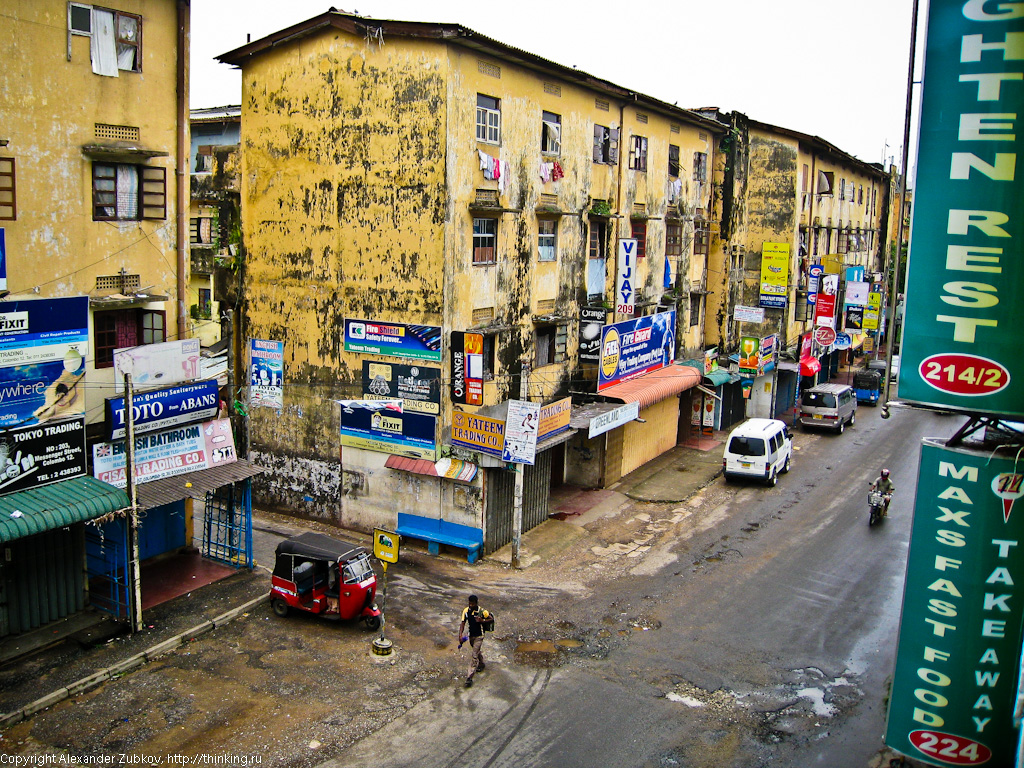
324 576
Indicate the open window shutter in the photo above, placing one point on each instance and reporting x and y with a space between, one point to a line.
613 146
154 192
598 143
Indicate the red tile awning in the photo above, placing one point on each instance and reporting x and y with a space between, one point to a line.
450 469
809 366
654 387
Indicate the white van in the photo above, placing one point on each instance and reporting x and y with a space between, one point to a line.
761 448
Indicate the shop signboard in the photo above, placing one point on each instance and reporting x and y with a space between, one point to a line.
743 314
625 278
591 322
606 422
157 365
384 426
478 433
767 359
44 344
965 274
635 347
750 355
814 273
774 274
163 408
467 368
418 387
554 418
955 683
35 455
825 307
165 454
422 342
266 373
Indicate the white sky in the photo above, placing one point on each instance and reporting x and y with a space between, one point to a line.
833 69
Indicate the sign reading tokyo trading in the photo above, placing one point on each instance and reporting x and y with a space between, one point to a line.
422 342
961 332
635 347
955 684
41 454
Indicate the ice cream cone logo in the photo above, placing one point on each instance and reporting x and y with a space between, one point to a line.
1009 488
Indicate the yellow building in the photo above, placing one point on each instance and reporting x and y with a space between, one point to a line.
419 182
789 193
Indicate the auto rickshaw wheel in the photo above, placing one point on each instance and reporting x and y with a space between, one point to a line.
280 607
372 622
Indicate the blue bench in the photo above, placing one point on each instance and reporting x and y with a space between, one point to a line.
436 532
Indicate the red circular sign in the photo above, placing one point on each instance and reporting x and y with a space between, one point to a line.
961 374
825 335
950 748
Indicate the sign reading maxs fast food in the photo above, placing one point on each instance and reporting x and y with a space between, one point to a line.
635 347
961 333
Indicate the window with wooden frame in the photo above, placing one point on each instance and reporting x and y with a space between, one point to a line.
122 192
638 231
201 230
485 241
701 237
547 239
843 245
696 300
550 133
606 145
700 166
488 119
549 344
826 182
204 159
598 239
122 328
8 190
489 355
673 239
113 36
638 153
673 160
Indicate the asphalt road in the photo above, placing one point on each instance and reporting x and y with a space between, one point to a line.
758 629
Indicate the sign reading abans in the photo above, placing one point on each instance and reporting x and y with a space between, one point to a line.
167 453
635 347
961 334
955 684
422 342
163 408
625 278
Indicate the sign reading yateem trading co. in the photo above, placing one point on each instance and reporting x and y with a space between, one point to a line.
955 684
961 333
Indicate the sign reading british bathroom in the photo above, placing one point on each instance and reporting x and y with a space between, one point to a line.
165 454
385 426
955 683
961 334
163 408
422 342
417 386
42 453
635 347
266 373
43 347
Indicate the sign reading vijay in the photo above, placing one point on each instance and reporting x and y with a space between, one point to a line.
961 332
625 277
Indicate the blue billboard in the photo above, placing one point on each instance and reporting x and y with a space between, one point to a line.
635 347
422 342
375 426
163 408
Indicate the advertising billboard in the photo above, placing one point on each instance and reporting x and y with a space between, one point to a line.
467 367
961 330
591 322
625 295
422 342
266 373
418 387
955 683
383 426
825 305
157 365
635 347
42 453
774 274
163 408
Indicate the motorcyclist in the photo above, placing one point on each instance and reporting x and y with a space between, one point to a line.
885 487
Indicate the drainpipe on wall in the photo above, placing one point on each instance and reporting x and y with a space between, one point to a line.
181 161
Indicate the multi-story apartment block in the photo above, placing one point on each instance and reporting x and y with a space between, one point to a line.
801 207
419 191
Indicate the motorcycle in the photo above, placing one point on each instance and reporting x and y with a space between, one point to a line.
877 503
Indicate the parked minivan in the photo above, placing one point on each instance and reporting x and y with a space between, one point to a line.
829 406
759 448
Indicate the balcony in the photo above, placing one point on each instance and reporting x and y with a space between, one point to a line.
201 260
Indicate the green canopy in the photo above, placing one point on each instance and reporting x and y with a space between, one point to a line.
57 505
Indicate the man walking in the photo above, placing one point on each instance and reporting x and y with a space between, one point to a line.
474 617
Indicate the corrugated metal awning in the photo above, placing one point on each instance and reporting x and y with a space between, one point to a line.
450 469
168 490
654 387
57 505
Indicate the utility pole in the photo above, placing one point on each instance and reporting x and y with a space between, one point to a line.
517 494
134 578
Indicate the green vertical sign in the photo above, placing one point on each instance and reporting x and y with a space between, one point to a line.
955 682
964 313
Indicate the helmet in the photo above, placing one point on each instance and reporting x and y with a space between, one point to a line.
885 473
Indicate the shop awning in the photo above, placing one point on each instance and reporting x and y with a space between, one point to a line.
809 366
719 378
57 505
450 469
196 484
654 387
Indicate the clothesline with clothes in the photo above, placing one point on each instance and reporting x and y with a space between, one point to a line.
492 168
551 171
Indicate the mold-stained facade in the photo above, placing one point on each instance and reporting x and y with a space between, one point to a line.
424 177
784 187
88 150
